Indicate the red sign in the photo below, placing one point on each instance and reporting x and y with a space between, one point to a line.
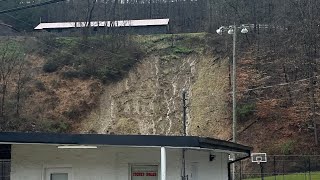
138 174
151 174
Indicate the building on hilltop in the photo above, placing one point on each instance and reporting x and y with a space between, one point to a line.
145 26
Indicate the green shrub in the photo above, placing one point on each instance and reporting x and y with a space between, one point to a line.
245 111
73 113
50 67
48 42
182 50
55 83
40 86
59 127
95 58
50 125
287 147
73 74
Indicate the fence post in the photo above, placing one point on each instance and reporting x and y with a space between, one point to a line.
240 170
305 169
274 168
309 167
261 171
283 178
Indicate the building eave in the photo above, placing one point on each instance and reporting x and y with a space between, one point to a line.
191 142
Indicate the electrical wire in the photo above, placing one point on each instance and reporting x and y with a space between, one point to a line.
262 98
29 6
275 85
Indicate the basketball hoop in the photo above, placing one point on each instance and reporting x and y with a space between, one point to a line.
259 158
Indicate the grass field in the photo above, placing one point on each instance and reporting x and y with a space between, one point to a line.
296 176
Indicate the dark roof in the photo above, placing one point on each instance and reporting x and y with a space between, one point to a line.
121 140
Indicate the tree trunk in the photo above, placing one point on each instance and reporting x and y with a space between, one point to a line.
4 91
288 87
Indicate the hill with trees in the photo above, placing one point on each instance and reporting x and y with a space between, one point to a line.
52 83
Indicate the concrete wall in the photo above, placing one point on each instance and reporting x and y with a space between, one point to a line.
29 162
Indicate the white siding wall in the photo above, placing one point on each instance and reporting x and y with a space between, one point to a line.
111 163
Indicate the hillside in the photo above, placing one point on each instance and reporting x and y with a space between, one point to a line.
136 88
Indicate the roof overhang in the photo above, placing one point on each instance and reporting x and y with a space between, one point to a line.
189 142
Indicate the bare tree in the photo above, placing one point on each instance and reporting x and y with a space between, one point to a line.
90 9
22 78
9 58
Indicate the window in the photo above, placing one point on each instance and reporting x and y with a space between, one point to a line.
5 168
58 174
144 172
194 171
5 161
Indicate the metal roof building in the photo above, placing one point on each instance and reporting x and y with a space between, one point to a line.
145 26
45 156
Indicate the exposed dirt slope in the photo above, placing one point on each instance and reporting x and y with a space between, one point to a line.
53 103
149 100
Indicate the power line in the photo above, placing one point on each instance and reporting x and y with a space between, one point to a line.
271 86
275 85
265 87
29 6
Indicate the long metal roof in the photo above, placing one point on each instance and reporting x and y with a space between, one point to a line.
122 23
122 140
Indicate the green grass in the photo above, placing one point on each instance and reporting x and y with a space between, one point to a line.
295 176
181 44
107 59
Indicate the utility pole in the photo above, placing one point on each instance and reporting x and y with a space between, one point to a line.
184 113
184 120
234 98
234 86
313 109
233 30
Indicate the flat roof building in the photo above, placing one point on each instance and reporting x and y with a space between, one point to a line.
42 156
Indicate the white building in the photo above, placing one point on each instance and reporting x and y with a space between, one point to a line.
142 26
39 156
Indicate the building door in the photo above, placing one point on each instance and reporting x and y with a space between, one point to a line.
144 172
194 171
58 174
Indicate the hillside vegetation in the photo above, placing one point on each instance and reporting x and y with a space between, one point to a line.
60 79
133 85
48 83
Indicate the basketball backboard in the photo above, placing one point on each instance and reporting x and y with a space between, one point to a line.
259 157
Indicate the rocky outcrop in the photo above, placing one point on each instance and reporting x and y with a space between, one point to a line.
149 99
